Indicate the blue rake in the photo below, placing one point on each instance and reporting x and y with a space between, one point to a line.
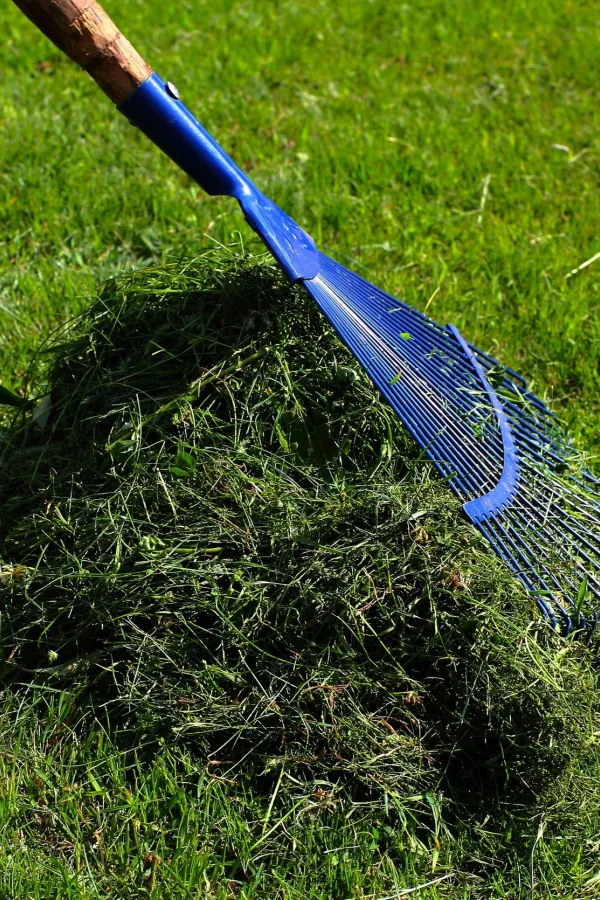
497 445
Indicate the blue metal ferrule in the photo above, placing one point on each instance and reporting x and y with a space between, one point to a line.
502 493
155 109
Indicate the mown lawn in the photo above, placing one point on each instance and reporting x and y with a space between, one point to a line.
431 145
449 152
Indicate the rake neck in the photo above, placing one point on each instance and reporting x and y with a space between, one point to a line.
155 108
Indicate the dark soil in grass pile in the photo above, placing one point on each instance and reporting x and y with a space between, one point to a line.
223 548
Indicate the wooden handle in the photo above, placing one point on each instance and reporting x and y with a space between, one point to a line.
82 30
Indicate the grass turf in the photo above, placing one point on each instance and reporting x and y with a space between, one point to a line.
433 149
227 567
419 143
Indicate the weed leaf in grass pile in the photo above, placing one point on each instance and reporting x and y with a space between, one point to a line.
223 542
493 441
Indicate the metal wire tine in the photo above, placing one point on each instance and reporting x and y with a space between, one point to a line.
547 527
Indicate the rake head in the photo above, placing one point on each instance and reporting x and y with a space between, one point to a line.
497 445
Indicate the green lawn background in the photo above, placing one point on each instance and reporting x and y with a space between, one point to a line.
376 125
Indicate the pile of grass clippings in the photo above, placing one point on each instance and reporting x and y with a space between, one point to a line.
223 541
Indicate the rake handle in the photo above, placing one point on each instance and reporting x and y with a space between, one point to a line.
82 30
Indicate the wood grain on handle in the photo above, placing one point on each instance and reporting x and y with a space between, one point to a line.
84 32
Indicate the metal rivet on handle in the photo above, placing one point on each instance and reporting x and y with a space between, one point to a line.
172 90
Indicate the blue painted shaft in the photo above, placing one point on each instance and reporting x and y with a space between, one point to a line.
156 111
172 127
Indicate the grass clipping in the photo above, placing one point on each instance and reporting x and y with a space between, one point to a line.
223 538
